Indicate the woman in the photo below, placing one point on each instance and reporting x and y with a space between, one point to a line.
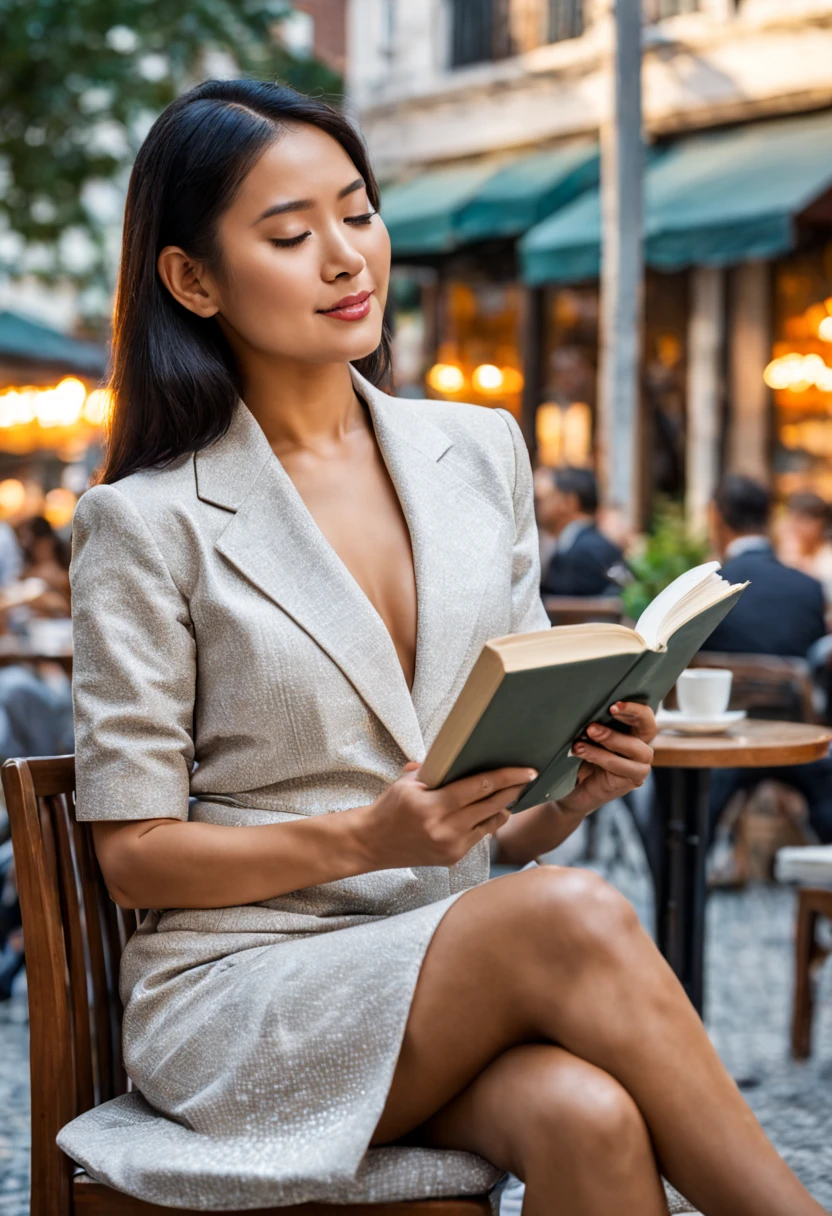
276 604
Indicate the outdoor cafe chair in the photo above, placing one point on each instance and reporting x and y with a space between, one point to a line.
811 868
74 935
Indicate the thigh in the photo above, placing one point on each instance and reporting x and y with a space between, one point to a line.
489 973
534 1103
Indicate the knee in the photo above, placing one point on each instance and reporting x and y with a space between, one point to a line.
581 1114
579 909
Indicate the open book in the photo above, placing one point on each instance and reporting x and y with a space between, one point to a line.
530 695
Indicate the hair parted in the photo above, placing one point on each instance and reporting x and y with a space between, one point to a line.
173 376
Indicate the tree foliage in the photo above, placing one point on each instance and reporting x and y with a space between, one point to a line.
80 82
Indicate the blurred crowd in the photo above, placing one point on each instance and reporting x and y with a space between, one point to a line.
35 690
786 611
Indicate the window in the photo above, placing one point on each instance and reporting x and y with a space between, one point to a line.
472 31
565 20
655 10
480 31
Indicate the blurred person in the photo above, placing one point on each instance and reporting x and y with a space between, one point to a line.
253 702
544 489
11 558
780 613
583 556
46 556
804 540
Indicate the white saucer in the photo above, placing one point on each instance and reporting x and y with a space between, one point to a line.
682 724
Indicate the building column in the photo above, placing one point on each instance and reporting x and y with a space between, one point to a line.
748 398
531 337
706 339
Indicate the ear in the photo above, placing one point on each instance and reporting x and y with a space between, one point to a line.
187 281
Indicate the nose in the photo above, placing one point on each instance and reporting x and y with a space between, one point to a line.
341 259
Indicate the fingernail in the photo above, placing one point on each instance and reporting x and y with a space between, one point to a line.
615 709
579 749
596 731
532 775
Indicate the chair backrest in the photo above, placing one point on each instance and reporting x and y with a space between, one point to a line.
73 936
767 686
583 609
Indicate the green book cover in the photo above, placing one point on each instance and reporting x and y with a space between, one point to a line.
648 679
534 715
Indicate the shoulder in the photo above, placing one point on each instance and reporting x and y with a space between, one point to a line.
594 539
766 567
146 496
477 441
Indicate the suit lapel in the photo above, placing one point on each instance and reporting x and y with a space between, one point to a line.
275 543
453 532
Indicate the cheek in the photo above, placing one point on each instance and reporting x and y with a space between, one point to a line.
271 299
377 253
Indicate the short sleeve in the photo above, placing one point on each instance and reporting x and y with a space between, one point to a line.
527 611
134 667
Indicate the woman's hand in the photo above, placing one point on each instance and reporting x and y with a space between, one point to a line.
410 825
614 763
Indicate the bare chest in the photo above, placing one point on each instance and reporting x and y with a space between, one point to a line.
356 507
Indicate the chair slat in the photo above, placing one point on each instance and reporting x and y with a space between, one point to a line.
75 934
50 1018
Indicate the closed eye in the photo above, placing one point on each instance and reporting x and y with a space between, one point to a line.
360 219
288 242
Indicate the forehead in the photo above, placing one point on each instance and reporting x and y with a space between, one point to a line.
302 163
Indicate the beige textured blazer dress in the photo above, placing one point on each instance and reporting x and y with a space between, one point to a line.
229 669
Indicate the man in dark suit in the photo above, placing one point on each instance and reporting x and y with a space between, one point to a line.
781 612
583 556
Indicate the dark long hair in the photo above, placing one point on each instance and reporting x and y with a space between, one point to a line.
174 380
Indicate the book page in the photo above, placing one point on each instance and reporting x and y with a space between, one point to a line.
652 624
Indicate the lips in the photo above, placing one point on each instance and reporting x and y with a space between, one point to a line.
350 308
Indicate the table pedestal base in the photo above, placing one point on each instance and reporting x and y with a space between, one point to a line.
682 803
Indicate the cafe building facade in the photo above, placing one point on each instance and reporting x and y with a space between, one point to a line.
490 173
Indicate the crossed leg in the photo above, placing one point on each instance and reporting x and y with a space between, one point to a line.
548 1035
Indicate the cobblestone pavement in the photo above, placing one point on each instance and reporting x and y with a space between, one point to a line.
747 1012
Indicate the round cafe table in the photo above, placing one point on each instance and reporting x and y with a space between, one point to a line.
682 765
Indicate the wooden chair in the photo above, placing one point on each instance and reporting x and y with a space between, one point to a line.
583 610
811 869
74 935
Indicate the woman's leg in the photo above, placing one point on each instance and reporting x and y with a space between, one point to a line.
557 956
563 1126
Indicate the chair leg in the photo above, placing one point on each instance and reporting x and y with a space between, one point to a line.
806 955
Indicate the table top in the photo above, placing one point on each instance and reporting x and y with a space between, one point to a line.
753 743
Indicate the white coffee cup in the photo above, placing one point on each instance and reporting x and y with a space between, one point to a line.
704 692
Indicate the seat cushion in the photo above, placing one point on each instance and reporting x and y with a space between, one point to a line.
810 866
142 1153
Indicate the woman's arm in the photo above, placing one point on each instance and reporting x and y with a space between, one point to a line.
162 863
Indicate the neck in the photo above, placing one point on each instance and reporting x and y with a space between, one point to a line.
301 405
578 518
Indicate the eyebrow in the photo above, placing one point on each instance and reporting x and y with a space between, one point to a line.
304 204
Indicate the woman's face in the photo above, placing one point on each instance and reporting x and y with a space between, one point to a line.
306 261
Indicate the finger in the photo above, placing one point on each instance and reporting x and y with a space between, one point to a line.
610 762
624 745
489 826
477 812
640 718
474 789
